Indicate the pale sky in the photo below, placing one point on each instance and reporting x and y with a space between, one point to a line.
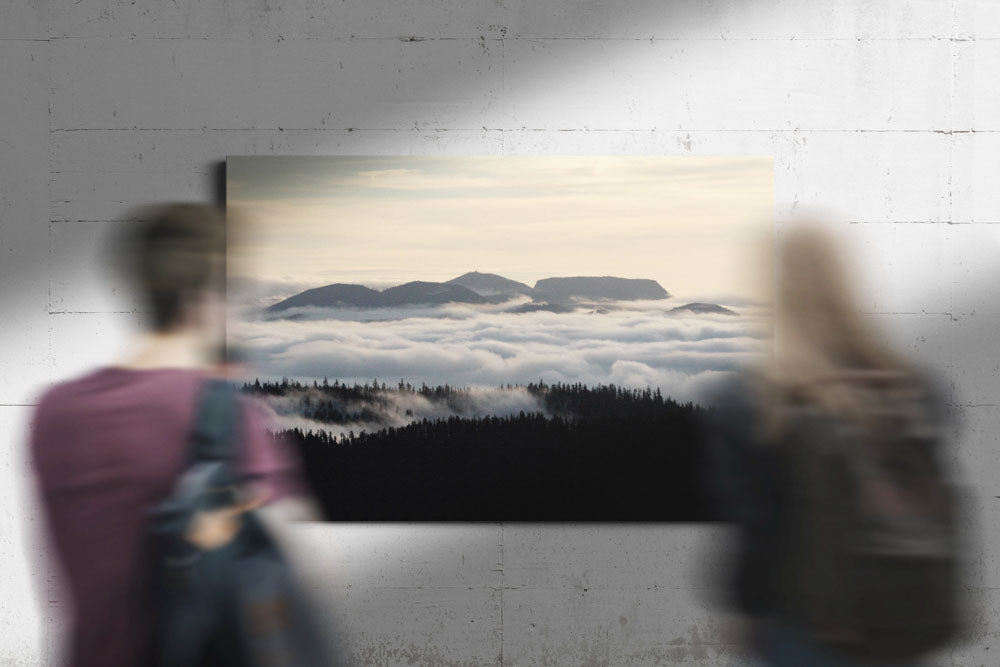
694 224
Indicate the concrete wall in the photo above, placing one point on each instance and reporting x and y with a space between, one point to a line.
888 111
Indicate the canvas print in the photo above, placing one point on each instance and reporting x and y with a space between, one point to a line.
497 338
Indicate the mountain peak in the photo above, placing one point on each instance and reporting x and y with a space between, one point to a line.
329 296
490 284
427 293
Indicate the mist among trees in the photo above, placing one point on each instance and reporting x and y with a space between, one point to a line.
602 453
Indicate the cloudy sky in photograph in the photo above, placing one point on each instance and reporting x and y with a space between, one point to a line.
694 224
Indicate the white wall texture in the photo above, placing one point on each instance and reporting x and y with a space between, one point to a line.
889 112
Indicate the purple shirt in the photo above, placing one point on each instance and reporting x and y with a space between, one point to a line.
106 448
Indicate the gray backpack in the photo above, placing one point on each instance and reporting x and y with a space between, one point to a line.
872 553
236 605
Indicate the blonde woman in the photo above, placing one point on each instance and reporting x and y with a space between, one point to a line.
827 459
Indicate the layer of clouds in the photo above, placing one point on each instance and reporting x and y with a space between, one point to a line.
638 344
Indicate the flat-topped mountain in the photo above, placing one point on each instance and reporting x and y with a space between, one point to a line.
490 284
598 287
703 309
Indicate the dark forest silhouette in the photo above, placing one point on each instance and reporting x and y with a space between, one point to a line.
603 453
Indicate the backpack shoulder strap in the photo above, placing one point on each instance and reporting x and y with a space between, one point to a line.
216 424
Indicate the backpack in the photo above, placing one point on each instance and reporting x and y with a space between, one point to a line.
237 604
872 550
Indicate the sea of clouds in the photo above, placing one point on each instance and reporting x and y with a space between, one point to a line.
632 344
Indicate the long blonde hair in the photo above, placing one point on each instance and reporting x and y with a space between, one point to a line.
822 341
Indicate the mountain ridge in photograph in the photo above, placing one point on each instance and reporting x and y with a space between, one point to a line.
476 287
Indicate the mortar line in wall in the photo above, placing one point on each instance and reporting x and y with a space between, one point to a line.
960 223
94 312
503 68
907 312
968 223
953 57
953 53
50 354
503 81
501 130
501 594
479 37
193 172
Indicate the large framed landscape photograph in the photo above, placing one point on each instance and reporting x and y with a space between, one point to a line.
498 338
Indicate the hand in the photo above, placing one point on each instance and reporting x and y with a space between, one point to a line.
211 529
